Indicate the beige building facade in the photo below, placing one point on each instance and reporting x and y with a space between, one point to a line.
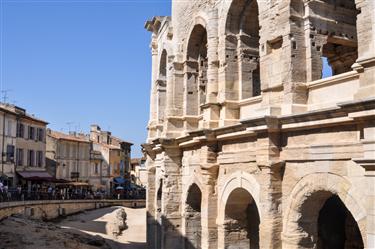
115 152
249 146
8 128
23 144
138 171
71 154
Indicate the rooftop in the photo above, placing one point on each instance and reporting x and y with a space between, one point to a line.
18 111
68 137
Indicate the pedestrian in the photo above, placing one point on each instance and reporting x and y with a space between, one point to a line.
49 191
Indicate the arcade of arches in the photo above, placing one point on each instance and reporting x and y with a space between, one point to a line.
249 146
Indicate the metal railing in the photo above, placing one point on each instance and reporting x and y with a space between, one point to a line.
24 195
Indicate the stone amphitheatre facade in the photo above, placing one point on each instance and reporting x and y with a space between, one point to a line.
249 146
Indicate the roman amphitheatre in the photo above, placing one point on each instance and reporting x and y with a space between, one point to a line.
250 144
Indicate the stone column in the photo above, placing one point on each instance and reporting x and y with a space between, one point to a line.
171 197
153 98
175 99
150 204
366 48
209 171
211 110
368 163
170 93
267 157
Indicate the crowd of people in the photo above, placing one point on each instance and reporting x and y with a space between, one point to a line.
56 192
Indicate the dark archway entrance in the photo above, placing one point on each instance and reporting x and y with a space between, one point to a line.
337 228
193 226
241 226
328 224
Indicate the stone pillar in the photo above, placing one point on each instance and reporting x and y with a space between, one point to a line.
171 198
153 98
150 205
267 157
366 48
228 74
368 163
170 93
175 99
211 110
213 60
209 171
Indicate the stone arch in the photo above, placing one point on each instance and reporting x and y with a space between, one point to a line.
239 179
239 30
195 179
300 224
224 10
196 70
193 220
239 212
199 20
163 65
331 39
161 85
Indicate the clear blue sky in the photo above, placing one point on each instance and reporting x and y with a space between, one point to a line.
81 61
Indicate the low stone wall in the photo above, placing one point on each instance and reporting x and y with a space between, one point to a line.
48 210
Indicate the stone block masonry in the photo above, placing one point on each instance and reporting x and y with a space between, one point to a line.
249 146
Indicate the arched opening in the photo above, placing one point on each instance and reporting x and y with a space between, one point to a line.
193 227
163 65
328 223
331 31
241 225
196 72
159 196
161 87
242 49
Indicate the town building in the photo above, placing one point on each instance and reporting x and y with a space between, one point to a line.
23 146
71 153
249 146
97 158
8 124
138 171
98 175
116 155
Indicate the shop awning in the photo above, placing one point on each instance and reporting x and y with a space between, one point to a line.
119 180
36 175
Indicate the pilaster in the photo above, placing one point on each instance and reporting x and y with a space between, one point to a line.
209 169
267 156
366 48
368 163
171 195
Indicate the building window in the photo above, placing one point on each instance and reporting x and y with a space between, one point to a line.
9 128
19 157
20 130
30 158
39 158
31 132
96 168
10 153
40 135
